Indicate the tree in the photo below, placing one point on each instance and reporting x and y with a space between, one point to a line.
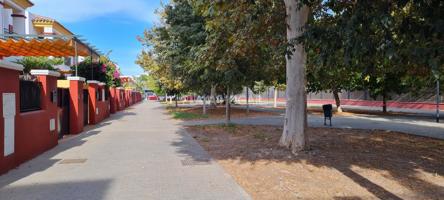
103 70
323 40
293 135
30 63
245 43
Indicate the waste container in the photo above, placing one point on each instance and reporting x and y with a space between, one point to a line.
328 112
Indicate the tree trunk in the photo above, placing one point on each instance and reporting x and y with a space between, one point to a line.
213 103
248 103
175 99
204 107
384 103
275 97
293 136
227 107
337 100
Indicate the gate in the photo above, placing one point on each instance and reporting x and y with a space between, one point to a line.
85 107
64 105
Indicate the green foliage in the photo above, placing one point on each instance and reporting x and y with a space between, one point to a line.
259 87
103 70
246 40
29 63
384 46
226 44
187 116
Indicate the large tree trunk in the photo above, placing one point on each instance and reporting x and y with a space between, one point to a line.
227 107
337 101
248 103
275 97
213 102
293 136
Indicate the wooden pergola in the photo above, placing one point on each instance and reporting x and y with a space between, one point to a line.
43 45
40 47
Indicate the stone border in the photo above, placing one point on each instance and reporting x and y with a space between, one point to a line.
93 81
45 72
76 78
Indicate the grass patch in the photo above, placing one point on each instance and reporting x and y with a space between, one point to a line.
187 115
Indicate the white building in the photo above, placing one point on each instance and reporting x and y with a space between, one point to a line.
16 19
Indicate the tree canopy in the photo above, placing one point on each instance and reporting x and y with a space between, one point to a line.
384 47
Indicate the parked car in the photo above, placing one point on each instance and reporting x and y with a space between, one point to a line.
153 97
188 98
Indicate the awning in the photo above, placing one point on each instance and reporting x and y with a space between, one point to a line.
41 47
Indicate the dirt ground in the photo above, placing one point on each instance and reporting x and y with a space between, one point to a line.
219 112
341 163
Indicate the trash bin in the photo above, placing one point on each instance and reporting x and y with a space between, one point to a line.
328 113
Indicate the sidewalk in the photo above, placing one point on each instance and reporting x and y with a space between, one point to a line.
407 124
136 154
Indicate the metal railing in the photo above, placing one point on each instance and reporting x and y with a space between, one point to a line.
30 96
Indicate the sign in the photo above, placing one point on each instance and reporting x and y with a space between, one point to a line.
52 125
9 108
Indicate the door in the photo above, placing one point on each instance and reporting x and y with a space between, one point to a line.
85 107
64 105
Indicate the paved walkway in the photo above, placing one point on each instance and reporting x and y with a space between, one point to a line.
137 154
411 125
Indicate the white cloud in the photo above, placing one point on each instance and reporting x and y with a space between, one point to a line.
80 10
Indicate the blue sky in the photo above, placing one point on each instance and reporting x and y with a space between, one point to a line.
107 24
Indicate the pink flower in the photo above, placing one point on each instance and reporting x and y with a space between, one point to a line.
103 68
116 74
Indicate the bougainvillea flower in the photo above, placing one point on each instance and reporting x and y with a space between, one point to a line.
116 74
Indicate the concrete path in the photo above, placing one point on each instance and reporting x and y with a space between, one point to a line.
416 126
136 154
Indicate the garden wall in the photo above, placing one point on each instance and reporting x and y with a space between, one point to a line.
27 134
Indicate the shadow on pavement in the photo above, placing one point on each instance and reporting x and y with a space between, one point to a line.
91 190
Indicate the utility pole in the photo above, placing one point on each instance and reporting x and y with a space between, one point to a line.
75 56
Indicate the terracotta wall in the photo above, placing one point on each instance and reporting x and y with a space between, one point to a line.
36 131
76 105
9 82
113 100
99 109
